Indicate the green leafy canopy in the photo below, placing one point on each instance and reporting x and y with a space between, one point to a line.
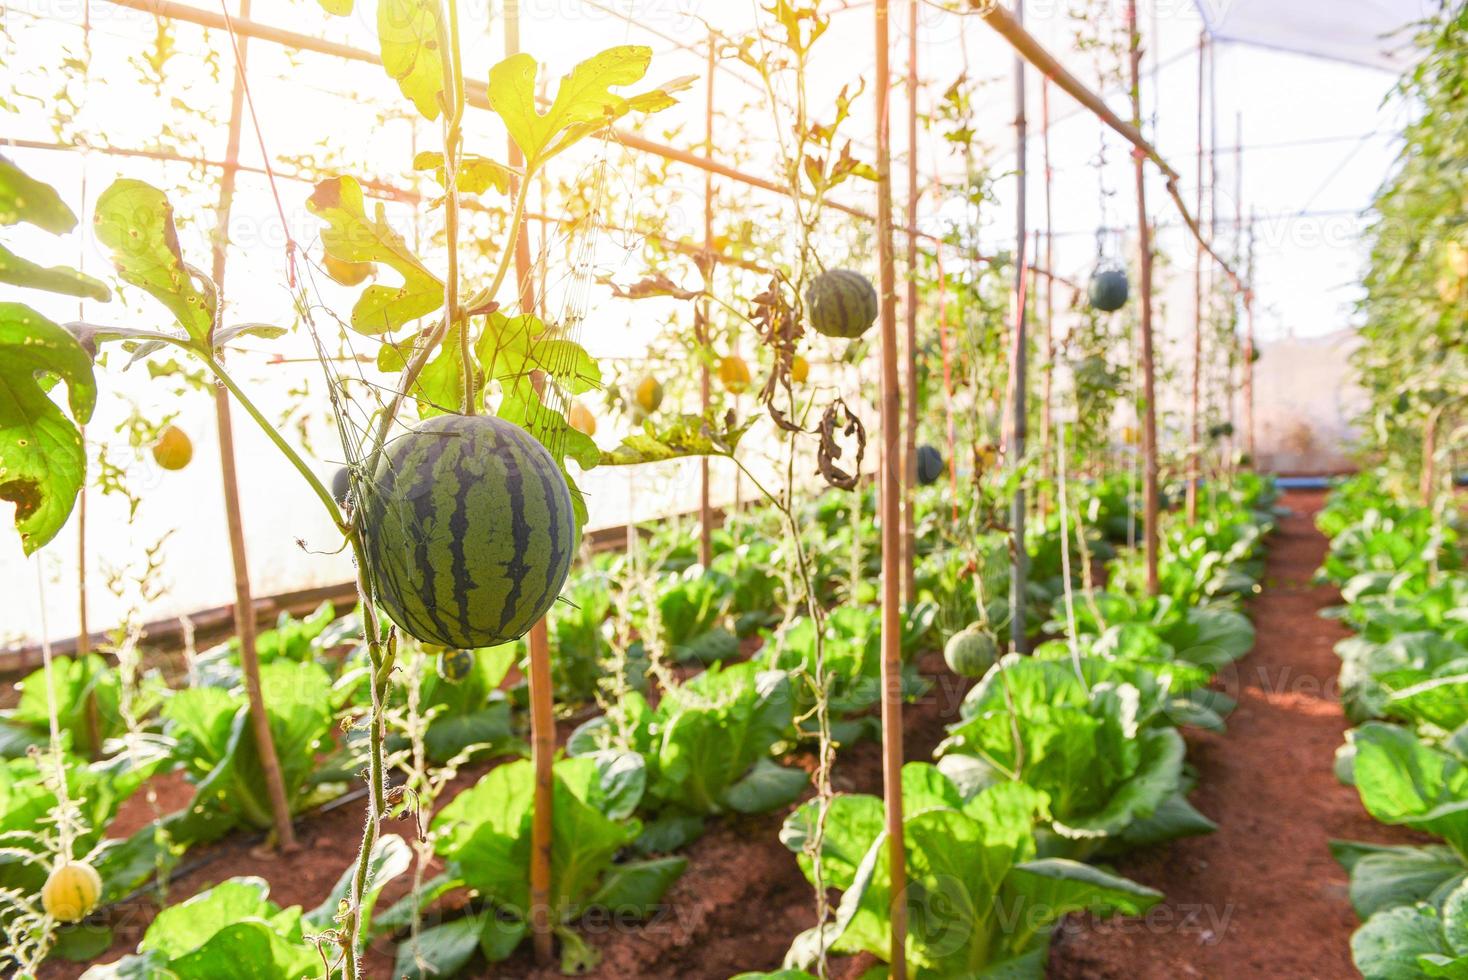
42 460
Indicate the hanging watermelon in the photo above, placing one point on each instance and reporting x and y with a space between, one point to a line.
929 465
841 303
469 531
341 485
1108 291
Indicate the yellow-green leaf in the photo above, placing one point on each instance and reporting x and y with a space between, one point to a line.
42 462
513 346
55 279
584 102
23 198
352 236
135 221
476 174
523 406
407 31
676 437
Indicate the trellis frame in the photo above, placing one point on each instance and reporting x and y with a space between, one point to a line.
895 477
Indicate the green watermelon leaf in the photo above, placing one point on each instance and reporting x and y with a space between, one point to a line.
23 198
522 406
42 461
511 347
407 31
678 436
55 279
477 174
352 236
135 221
439 387
584 101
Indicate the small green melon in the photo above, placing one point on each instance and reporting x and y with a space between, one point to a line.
971 651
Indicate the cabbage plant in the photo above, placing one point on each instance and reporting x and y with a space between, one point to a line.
981 902
1092 740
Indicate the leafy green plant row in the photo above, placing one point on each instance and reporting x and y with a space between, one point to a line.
1102 753
1404 682
1067 755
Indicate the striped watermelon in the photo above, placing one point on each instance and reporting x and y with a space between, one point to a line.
1108 290
841 303
929 465
469 531
341 486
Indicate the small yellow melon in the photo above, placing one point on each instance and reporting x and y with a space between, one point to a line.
71 891
579 417
174 449
649 394
734 374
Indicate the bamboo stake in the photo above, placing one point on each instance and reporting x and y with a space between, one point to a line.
83 637
1149 379
890 507
705 507
244 605
1194 433
83 633
1250 349
1047 393
1428 477
909 445
542 704
1019 380
1239 337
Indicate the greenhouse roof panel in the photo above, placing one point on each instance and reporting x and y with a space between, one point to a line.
1373 33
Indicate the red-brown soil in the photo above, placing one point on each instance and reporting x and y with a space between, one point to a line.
1262 897
736 908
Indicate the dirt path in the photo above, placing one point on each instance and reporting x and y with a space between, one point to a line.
1262 896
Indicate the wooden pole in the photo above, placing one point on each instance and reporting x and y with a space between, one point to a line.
1208 396
1195 447
1048 391
1251 349
244 604
891 517
1019 382
705 506
542 704
1428 478
83 633
909 446
93 716
1149 373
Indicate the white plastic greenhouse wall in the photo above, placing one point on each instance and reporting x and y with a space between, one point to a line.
1305 173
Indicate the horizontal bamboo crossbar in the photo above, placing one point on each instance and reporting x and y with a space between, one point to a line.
1032 51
